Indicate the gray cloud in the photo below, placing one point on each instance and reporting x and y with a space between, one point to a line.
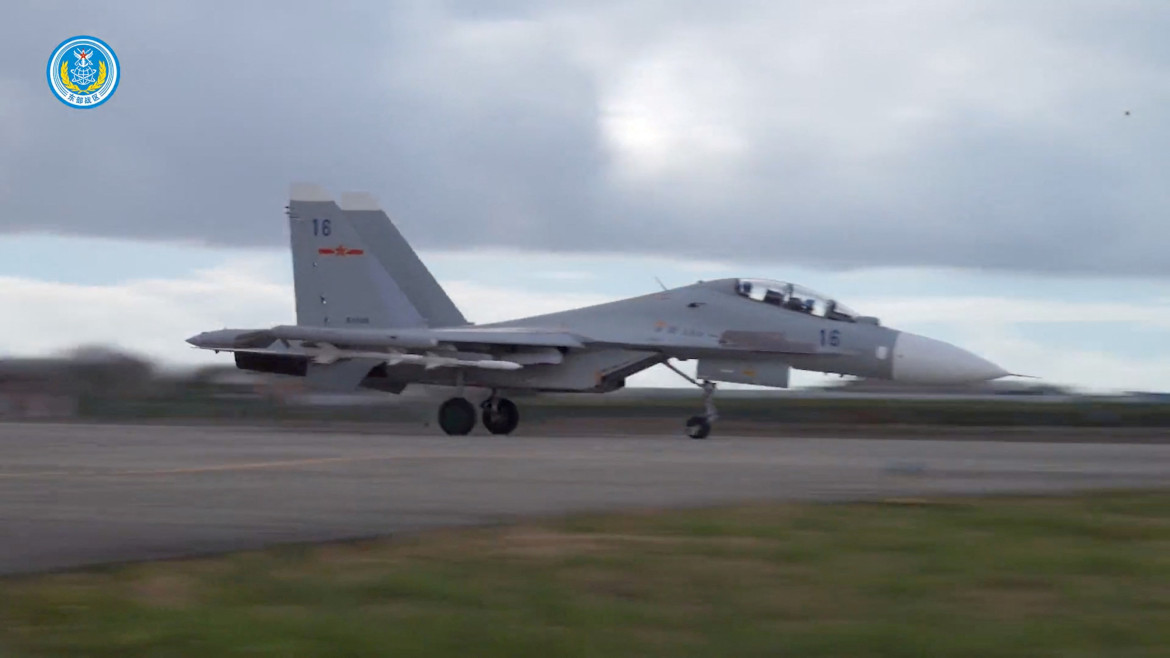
850 134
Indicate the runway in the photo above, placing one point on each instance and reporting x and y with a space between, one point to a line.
73 495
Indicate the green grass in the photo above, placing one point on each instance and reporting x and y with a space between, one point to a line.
1086 576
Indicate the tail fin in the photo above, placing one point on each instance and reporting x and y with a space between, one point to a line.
351 267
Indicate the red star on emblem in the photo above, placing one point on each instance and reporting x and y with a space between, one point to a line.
340 250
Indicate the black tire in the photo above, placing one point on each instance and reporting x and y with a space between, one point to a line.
504 420
698 427
457 416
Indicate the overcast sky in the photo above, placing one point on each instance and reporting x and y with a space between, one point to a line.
999 154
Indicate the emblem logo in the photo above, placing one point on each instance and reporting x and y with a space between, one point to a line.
340 251
83 72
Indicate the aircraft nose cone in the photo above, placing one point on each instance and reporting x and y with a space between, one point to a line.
922 360
198 340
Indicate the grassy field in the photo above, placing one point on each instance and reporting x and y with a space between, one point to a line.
1085 576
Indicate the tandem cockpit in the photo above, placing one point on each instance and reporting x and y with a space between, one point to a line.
798 298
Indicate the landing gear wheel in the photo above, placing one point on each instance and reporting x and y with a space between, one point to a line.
457 416
698 427
503 419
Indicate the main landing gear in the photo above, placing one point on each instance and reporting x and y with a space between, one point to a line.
457 416
699 427
500 415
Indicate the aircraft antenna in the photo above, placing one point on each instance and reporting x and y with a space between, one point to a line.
660 284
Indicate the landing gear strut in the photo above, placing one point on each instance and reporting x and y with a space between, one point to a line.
500 415
699 427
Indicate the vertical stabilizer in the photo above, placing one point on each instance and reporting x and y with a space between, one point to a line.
339 280
396 257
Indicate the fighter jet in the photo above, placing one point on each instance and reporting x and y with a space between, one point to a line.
370 314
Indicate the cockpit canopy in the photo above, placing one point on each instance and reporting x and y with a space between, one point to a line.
795 298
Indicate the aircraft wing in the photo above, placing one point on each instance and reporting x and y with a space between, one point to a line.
497 348
420 338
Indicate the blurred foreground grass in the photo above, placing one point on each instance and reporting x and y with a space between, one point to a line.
1084 576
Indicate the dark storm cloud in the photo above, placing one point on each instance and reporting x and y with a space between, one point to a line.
847 135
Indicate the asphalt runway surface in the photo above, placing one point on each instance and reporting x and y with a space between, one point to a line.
74 495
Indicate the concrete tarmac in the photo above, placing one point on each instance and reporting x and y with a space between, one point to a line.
74 495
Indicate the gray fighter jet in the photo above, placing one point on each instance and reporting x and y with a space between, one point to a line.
370 314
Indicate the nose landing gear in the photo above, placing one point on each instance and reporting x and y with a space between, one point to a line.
699 427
